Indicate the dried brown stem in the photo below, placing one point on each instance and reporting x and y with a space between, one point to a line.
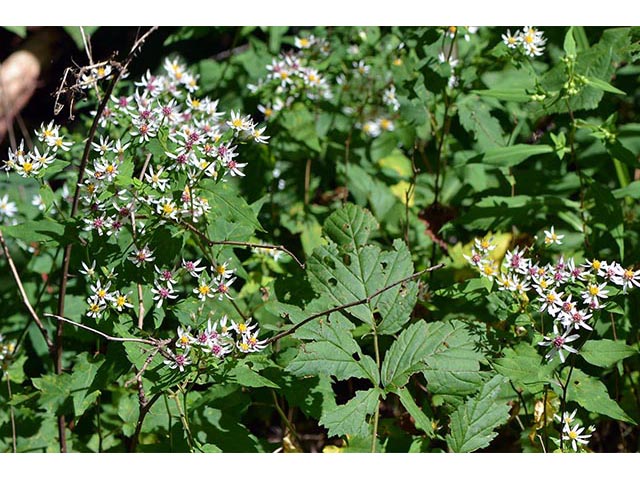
353 304
23 294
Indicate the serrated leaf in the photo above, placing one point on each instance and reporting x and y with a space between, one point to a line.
352 271
513 154
421 420
54 390
473 423
351 418
405 356
350 227
606 353
334 352
232 207
525 367
453 365
591 393
81 380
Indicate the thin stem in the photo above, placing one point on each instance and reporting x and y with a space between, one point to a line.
376 416
144 409
352 304
289 426
23 294
11 414
211 243
307 181
155 343
185 421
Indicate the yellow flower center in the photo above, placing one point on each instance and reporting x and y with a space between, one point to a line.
244 346
94 307
551 298
284 75
242 327
488 270
47 134
101 71
204 289
184 340
237 122
102 293
484 244
543 283
221 269
385 124
120 301
573 434
167 209
195 103
304 42
596 264
110 169
628 274
27 167
397 61
594 290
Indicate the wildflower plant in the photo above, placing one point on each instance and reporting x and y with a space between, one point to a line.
328 239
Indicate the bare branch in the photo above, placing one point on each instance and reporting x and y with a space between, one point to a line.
353 304
152 342
23 294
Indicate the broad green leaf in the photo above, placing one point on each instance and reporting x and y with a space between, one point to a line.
473 423
300 125
351 418
619 152
54 390
247 377
525 367
421 420
475 117
128 411
508 94
352 271
35 231
350 227
514 154
606 353
334 352
405 356
80 383
232 207
604 86
452 366
591 393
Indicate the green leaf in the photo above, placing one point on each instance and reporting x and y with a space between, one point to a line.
421 420
355 271
508 94
54 390
47 196
570 43
300 124
334 352
81 381
514 154
591 393
602 85
247 377
475 117
452 366
632 190
35 231
525 367
19 31
606 353
351 418
76 35
350 227
607 214
473 423
405 356
231 206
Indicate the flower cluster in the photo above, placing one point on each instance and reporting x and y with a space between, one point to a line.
35 163
291 77
297 76
530 40
217 340
193 141
573 432
571 293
